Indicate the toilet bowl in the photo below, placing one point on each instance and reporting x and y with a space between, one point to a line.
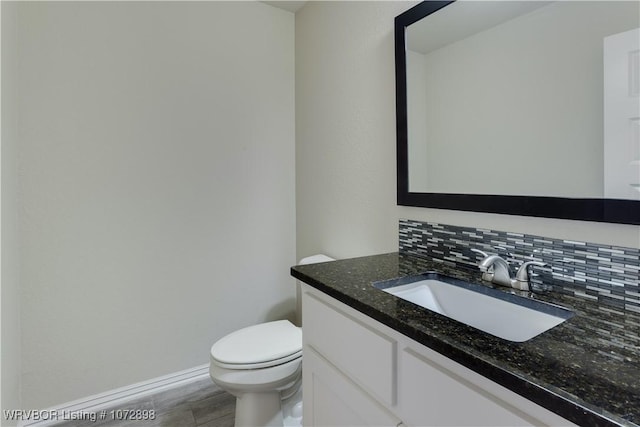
261 366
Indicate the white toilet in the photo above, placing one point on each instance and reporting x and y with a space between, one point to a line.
261 366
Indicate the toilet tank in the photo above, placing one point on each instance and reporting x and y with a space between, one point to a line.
313 259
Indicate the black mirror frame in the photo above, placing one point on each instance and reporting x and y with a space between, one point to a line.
600 210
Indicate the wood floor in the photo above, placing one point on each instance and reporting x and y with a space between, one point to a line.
199 404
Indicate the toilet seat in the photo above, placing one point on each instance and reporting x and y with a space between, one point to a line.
259 346
266 364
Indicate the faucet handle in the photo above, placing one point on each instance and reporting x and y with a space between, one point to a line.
522 276
487 272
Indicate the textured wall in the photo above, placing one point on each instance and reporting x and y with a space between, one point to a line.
157 170
10 292
345 128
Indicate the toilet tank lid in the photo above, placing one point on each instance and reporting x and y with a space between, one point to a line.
259 343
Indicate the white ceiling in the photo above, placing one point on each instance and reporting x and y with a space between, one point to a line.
290 5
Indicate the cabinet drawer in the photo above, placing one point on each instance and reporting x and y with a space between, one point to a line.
365 355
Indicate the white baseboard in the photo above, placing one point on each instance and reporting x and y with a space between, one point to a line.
119 396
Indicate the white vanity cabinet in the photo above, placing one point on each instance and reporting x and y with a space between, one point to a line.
359 372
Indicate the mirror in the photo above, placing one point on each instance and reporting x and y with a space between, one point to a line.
520 107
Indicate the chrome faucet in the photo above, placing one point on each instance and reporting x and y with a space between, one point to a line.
495 269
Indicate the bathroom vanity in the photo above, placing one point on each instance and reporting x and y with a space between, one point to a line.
371 358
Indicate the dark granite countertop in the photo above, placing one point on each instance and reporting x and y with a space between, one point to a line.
583 369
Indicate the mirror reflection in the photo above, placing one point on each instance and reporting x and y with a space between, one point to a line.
525 98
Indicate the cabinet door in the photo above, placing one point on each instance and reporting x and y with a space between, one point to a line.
362 352
332 399
435 391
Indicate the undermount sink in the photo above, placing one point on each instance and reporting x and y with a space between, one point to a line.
496 312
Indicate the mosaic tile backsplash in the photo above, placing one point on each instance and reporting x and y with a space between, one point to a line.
607 274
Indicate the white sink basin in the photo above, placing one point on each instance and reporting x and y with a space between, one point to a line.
493 311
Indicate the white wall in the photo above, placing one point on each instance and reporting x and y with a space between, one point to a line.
345 128
157 175
345 141
10 347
